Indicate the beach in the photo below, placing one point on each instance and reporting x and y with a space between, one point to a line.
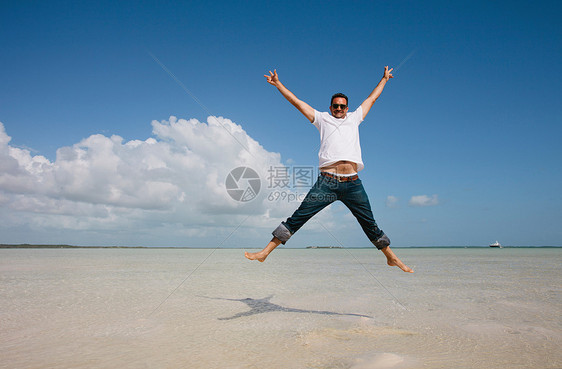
302 308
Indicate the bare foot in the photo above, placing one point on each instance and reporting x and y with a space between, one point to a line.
397 262
259 256
392 260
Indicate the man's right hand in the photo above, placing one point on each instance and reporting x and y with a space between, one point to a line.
304 108
273 78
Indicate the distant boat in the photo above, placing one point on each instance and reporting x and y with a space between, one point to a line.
496 244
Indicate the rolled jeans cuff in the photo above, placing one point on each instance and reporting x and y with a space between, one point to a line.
381 242
282 233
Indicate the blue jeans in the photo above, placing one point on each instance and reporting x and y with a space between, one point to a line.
324 192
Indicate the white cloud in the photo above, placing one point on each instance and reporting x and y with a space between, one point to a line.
391 201
423 200
173 182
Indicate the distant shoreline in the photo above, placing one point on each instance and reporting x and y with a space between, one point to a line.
32 246
29 246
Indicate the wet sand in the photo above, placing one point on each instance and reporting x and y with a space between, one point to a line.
107 308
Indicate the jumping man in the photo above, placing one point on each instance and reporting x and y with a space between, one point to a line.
340 161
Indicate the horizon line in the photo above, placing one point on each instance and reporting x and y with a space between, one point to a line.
61 246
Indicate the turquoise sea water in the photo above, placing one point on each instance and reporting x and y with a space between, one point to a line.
311 308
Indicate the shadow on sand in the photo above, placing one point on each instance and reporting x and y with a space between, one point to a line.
260 306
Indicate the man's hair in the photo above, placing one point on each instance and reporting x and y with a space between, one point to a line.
339 94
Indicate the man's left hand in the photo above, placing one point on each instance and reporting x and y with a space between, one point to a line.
387 73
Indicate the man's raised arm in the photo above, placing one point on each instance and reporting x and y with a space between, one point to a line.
368 103
303 107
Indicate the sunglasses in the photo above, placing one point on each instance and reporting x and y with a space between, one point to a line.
339 106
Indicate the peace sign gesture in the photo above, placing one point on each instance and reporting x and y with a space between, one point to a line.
387 73
273 78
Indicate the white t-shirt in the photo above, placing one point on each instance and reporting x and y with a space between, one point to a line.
339 138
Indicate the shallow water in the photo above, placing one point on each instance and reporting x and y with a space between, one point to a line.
321 308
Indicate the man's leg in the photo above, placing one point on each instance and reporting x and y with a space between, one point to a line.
357 201
319 196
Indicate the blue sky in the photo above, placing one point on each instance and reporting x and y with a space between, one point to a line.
470 123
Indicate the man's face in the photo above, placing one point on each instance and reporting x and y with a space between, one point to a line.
337 108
